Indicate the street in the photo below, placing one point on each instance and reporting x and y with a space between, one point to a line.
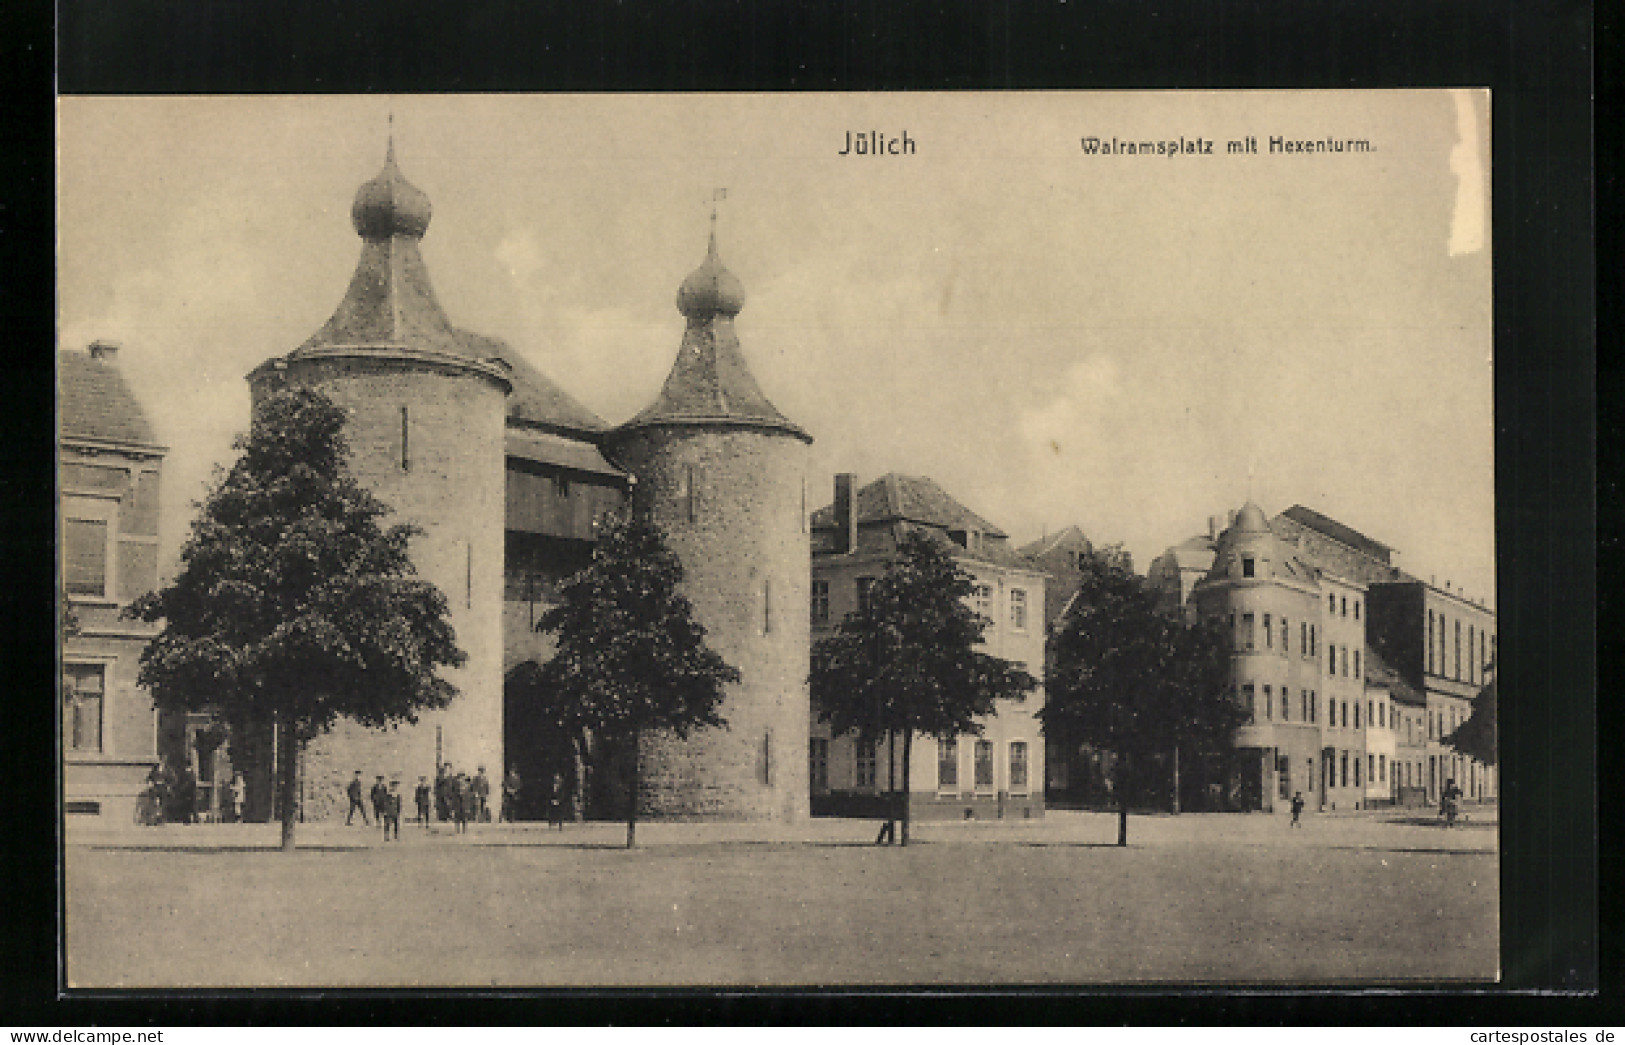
1214 898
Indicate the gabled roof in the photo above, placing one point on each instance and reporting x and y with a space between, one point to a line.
911 498
559 451
96 402
536 400
1382 673
1071 537
1337 531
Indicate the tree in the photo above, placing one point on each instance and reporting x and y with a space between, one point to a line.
1133 682
1477 737
907 661
294 607
631 657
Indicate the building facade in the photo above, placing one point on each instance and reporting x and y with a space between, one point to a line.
110 466
997 775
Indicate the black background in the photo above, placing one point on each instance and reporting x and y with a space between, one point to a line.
1538 59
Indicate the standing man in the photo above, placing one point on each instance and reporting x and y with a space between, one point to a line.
510 793
1297 809
391 817
422 797
354 791
380 798
481 785
460 798
442 791
555 802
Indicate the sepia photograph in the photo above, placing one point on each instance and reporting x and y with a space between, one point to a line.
777 540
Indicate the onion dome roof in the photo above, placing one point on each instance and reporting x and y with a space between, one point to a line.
710 289
1251 519
389 205
709 383
1250 539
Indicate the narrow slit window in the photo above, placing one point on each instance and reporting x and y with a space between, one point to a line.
406 448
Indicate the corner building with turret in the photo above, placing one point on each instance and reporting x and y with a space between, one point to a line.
508 478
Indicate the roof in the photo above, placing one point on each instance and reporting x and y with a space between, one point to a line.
390 301
913 498
529 444
1337 531
95 402
709 383
1382 673
1195 553
536 400
1071 537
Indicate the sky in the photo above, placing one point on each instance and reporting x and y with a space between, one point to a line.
1126 343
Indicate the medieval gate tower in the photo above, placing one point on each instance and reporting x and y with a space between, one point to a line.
723 473
427 404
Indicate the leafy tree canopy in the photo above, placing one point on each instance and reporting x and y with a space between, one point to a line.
292 600
1477 738
910 659
631 654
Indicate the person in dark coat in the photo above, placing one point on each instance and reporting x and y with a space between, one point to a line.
510 794
481 785
354 791
422 797
391 816
186 795
378 795
442 791
461 798
1297 810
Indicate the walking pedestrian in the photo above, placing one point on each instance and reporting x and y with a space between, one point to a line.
422 797
354 791
1297 809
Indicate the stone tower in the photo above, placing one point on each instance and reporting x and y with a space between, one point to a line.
427 403
723 473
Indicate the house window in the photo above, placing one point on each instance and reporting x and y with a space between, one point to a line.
820 602
1285 697
1356 770
1314 643
1472 674
1458 652
1382 715
1303 637
1331 603
83 687
866 762
865 587
1247 631
1247 568
406 432
1247 702
689 494
767 606
1356 609
1345 764
818 762
1018 609
1331 660
1269 703
1382 769
948 764
1356 714
1269 633
1018 767
1430 642
1357 665
984 765
1286 637
1303 700
982 600
561 487
1345 601
1345 714
84 558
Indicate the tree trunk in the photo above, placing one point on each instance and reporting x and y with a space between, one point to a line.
578 765
288 779
1122 800
891 788
632 799
908 750
1176 780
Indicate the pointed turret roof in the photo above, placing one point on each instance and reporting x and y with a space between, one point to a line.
709 383
95 401
390 302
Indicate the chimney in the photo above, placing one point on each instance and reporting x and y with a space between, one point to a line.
846 514
1213 527
103 349
1233 514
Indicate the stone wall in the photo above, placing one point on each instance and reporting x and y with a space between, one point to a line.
730 501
